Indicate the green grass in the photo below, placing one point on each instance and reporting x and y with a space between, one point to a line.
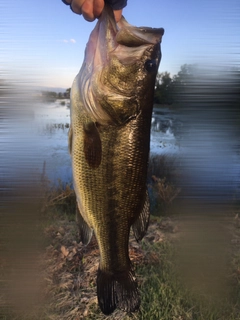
164 296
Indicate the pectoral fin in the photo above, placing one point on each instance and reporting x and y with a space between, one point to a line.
84 230
141 224
70 136
92 145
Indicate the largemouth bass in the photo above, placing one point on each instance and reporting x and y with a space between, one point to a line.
109 138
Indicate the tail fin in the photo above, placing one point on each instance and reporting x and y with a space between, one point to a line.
117 290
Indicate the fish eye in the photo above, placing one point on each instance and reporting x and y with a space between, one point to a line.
151 65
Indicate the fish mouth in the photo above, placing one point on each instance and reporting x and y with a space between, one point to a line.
132 36
108 42
102 39
108 35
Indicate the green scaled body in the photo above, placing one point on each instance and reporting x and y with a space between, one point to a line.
109 138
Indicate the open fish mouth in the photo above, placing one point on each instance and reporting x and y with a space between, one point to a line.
110 42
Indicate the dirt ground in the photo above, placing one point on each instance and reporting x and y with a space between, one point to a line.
58 281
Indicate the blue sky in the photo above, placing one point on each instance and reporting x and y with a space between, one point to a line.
43 42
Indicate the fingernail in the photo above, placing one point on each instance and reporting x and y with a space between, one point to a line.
65 2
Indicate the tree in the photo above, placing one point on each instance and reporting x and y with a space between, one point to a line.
67 93
186 74
163 88
184 84
60 95
49 96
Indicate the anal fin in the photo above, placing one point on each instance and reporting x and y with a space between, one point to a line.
141 224
84 229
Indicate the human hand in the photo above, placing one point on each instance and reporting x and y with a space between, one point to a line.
90 9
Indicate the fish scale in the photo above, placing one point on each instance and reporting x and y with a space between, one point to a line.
109 139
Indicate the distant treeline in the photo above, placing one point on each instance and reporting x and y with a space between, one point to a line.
196 89
195 85
51 96
192 88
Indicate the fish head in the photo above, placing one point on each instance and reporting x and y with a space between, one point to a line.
120 68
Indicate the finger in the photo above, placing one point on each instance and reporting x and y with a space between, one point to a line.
117 15
67 2
87 10
76 6
98 6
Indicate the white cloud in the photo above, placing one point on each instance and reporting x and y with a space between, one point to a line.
67 41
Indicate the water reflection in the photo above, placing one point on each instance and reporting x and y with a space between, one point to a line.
203 143
210 163
163 120
52 128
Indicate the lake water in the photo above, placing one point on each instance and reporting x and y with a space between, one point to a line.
52 124
206 151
